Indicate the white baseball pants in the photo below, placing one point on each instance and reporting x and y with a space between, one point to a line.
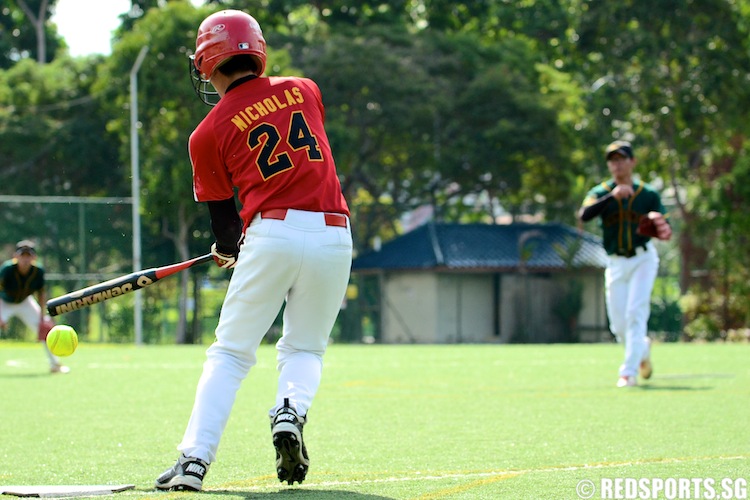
629 282
300 260
30 313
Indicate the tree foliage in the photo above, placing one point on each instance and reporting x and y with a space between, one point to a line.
674 80
25 32
474 109
51 126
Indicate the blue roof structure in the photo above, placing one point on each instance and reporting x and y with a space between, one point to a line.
485 247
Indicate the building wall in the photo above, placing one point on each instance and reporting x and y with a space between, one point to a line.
528 309
465 308
409 308
593 325
426 307
526 306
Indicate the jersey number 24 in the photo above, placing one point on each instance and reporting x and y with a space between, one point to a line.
272 158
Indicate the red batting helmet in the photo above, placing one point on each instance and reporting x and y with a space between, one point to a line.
225 34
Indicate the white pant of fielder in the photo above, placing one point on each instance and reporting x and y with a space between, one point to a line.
302 261
629 283
30 313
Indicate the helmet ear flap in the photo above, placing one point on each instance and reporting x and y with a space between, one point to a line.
197 64
201 86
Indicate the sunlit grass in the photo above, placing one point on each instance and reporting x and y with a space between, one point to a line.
450 421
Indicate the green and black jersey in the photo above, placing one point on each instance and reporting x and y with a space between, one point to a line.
619 218
15 287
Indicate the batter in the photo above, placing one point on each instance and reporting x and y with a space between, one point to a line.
291 241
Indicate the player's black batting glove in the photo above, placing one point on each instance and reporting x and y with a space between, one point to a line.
223 260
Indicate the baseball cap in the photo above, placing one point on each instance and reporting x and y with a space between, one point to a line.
620 147
26 246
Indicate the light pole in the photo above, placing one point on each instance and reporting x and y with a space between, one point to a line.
136 190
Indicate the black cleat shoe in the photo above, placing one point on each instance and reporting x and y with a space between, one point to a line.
185 475
291 455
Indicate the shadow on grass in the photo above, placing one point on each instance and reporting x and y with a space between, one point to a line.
683 376
25 375
301 494
292 493
296 494
673 388
694 375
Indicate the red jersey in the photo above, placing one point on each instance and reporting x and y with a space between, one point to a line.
266 138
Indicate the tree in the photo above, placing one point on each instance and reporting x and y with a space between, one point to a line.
380 127
435 119
464 106
25 32
338 14
502 135
52 126
38 20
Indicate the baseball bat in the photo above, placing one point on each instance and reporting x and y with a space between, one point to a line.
118 286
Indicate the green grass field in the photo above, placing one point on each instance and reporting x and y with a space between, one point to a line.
418 422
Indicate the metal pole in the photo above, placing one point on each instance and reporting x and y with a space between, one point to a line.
136 190
82 253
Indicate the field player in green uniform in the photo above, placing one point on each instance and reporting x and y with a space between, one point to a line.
20 279
633 260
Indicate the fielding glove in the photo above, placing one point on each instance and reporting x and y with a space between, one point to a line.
654 225
223 260
45 325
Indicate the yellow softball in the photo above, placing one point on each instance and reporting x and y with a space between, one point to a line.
62 340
